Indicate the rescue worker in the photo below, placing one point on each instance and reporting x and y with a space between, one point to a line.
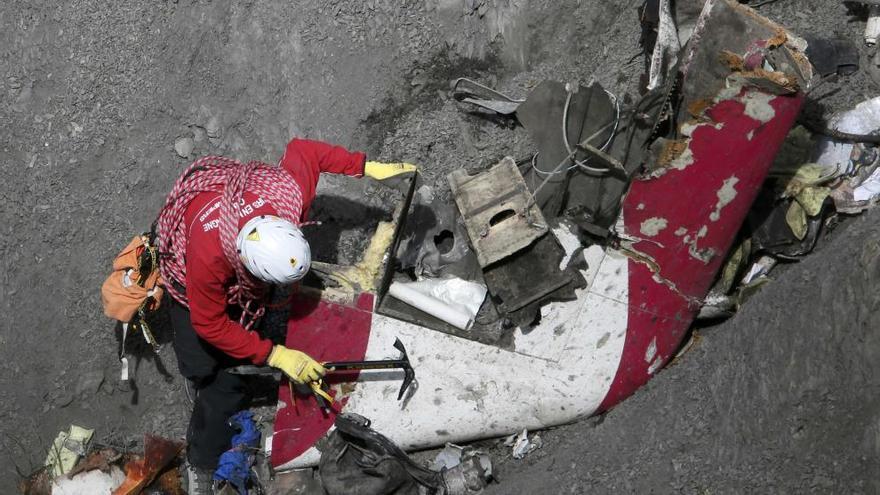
227 232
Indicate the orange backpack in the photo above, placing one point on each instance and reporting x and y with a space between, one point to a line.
132 290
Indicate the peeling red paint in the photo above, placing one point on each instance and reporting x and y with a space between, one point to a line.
718 153
737 125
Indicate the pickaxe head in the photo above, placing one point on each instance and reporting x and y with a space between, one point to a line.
409 373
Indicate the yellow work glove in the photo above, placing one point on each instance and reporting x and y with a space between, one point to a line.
382 171
298 366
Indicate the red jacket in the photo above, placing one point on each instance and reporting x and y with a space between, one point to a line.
208 274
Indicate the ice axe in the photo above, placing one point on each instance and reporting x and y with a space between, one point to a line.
402 363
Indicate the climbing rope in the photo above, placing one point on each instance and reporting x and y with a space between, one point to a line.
231 178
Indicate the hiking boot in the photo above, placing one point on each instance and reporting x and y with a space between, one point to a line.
199 481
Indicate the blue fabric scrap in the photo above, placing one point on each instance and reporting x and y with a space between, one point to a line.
235 464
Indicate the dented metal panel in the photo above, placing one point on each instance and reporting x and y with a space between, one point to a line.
498 211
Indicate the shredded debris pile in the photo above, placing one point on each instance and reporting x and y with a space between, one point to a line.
76 467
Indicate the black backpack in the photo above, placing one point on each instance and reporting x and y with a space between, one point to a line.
357 460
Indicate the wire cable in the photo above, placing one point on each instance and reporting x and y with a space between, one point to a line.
582 164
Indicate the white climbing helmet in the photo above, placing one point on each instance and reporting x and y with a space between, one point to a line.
274 250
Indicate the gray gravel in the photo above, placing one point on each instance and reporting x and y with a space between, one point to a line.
103 104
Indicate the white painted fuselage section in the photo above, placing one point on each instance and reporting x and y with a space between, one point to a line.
559 371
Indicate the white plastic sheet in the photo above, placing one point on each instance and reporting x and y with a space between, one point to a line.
448 458
93 482
521 445
872 27
863 119
856 192
452 300
666 49
869 188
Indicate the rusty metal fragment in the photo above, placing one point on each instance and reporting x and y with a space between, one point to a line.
168 483
732 60
100 459
671 151
36 484
140 472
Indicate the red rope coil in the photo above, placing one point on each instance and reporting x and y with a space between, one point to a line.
231 179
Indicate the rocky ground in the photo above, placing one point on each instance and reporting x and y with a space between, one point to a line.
102 105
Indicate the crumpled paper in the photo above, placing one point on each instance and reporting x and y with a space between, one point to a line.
67 448
521 445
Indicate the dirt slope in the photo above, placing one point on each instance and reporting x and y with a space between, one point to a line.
94 95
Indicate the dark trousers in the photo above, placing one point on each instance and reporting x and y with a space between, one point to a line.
218 394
